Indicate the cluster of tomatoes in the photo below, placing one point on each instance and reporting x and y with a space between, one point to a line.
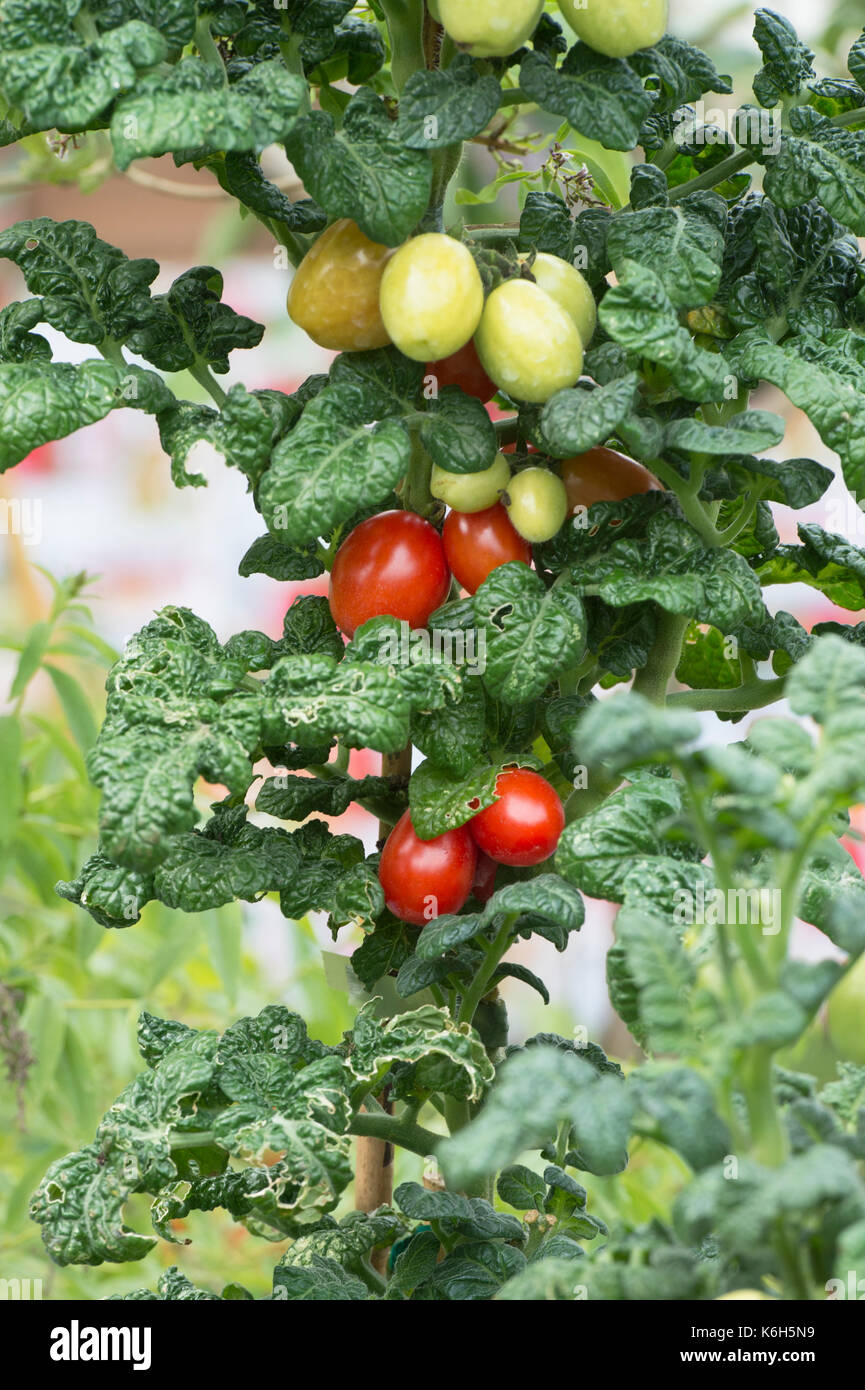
496 28
423 879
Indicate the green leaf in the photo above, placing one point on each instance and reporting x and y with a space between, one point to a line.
454 1214
546 905
673 567
753 429
575 420
820 160
364 170
71 85
441 108
681 1106
638 314
113 895
41 401
320 1281
440 802
786 60
547 225
531 633
329 466
599 851
521 1187
190 106
660 976
431 1051
458 433
189 325
603 98
679 73
79 1206
11 782
476 1270
683 246
17 343
628 730
271 556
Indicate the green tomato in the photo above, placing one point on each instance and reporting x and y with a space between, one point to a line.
431 297
617 28
537 504
846 1015
489 28
564 283
528 344
471 492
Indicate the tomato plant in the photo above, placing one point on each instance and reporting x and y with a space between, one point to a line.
476 543
393 563
626 327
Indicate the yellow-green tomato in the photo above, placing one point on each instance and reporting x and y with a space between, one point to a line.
334 293
617 28
537 504
471 492
431 297
564 283
489 28
528 344
846 1015
737 1294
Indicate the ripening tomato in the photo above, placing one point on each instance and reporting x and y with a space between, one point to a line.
484 882
528 343
335 291
490 28
524 825
603 475
471 492
393 563
617 28
477 542
431 296
536 503
463 368
564 283
424 879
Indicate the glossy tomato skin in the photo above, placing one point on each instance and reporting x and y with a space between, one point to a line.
617 28
431 296
537 504
393 563
471 492
463 368
527 343
424 879
524 825
604 475
335 291
489 28
564 283
476 543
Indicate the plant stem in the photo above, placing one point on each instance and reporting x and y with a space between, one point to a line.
481 983
203 375
206 46
767 1136
752 695
405 31
389 1129
712 177
655 676
687 493
418 496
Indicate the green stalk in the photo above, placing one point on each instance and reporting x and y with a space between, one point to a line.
206 46
481 983
205 378
394 1130
405 30
767 1136
752 695
655 676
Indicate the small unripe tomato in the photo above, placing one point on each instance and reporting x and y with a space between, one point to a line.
424 879
476 543
471 492
846 1015
536 503
523 826
392 563
489 28
617 28
431 296
564 283
334 294
528 343
604 475
463 369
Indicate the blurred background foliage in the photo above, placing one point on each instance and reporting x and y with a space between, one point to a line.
71 992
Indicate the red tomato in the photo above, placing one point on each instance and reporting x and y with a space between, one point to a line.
603 475
393 563
484 884
477 542
463 368
422 879
524 825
